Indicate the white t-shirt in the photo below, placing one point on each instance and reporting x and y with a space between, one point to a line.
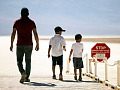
57 42
77 49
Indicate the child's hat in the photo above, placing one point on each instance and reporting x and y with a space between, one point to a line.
57 29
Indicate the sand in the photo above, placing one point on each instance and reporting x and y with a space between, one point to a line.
91 39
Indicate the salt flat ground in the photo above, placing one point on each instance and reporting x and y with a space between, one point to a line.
41 65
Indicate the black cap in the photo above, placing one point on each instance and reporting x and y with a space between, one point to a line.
57 29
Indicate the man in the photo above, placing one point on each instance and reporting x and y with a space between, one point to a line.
24 27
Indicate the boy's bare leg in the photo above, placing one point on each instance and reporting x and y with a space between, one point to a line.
75 73
80 72
61 68
60 76
53 69
80 76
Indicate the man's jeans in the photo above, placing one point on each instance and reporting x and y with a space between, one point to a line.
27 51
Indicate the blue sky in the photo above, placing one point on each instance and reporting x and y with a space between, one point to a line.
88 17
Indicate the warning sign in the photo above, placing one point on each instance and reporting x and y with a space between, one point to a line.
100 50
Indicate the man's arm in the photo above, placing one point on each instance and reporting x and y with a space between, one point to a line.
49 50
36 39
12 38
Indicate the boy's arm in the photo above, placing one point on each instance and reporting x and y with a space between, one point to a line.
70 55
12 38
64 48
63 44
49 50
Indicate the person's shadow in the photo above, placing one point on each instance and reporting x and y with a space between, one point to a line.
39 84
79 81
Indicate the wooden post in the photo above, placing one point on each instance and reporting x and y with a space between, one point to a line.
118 73
90 68
68 67
86 63
95 67
106 76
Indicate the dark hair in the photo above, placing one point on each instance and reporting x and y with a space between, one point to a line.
24 12
78 36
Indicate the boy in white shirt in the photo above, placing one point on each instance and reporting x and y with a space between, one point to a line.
77 50
57 44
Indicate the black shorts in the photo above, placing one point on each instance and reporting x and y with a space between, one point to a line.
77 63
57 60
